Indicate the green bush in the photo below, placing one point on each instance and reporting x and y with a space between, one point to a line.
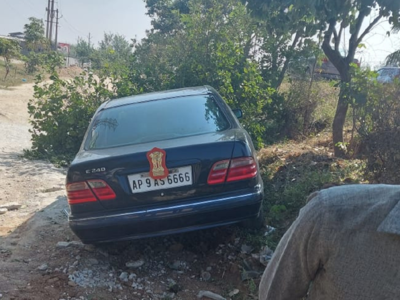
61 110
309 107
377 120
47 60
290 180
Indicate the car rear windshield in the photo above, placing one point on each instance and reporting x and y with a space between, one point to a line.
155 120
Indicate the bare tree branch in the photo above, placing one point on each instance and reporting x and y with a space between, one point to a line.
336 39
333 54
353 42
339 37
288 58
368 29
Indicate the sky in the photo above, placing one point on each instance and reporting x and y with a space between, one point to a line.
127 17
80 17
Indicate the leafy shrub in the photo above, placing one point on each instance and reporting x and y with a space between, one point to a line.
61 110
34 61
377 120
290 178
309 107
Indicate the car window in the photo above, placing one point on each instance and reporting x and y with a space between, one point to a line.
155 120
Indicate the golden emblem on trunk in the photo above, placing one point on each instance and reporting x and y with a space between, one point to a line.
158 168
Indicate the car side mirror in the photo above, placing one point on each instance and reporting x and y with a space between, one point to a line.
238 113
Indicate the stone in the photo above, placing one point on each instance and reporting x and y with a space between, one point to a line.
62 244
245 249
76 244
168 295
124 276
177 265
175 288
266 255
269 230
71 283
43 267
210 295
206 276
234 292
246 275
177 247
171 281
89 248
135 264
11 206
3 211
93 261
53 280
247 265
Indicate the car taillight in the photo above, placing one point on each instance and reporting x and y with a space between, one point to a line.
232 170
79 192
242 168
101 189
82 192
218 172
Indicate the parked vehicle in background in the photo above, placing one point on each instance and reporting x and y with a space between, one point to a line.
326 69
388 74
323 68
163 163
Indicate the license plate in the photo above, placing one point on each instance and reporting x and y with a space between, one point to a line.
141 183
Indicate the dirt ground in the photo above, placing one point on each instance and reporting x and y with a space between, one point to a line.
35 265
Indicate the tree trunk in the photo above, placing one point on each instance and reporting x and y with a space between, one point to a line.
287 61
338 123
341 111
7 65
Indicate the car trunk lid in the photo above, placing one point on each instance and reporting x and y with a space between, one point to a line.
188 160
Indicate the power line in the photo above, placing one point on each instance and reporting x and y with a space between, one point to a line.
12 7
34 7
71 26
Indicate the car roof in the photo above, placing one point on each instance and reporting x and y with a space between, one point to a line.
389 68
190 91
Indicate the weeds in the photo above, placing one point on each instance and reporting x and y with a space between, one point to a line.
16 77
291 173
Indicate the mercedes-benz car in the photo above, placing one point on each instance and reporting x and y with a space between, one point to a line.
162 163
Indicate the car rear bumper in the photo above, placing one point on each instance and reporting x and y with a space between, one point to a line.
176 218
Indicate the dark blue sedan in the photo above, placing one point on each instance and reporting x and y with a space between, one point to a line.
163 163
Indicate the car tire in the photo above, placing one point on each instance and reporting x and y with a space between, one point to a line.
255 223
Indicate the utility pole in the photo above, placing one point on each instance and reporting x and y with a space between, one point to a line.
89 38
51 20
89 42
48 19
56 41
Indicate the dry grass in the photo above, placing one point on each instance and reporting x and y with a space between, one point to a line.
17 75
292 170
